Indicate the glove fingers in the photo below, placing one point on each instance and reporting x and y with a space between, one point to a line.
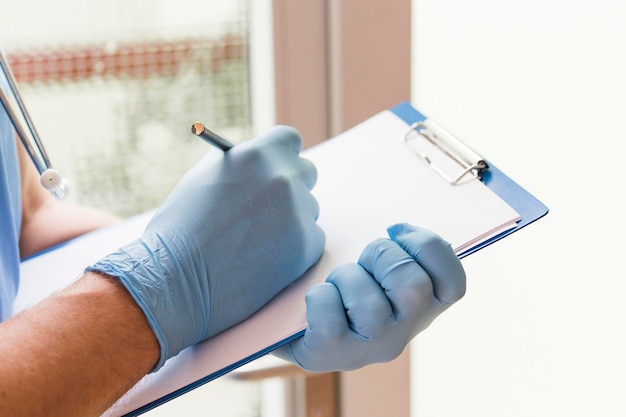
314 246
327 326
280 135
325 313
307 210
287 136
287 144
407 286
366 306
290 139
308 173
436 257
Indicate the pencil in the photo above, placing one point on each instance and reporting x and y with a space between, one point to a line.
211 136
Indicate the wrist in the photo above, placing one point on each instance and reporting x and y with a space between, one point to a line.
156 281
107 294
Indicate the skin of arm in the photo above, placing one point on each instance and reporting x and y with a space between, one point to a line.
77 352
45 220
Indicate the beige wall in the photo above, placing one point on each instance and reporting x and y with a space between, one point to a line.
337 63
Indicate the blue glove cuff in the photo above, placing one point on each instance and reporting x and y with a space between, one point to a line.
130 266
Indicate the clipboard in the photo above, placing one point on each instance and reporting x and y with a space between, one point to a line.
367 179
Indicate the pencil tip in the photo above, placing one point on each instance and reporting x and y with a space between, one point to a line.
197 128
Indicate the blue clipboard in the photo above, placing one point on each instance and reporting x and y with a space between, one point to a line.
529 208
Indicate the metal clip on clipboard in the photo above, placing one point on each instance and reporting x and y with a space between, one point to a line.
470 162
13 104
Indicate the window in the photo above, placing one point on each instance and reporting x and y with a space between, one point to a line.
114 100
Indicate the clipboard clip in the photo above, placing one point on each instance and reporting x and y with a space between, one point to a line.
470 162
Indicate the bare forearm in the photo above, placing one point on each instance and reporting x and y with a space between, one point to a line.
45 221
55 222
76 353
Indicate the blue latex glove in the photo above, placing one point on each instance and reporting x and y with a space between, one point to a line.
237 229
368 312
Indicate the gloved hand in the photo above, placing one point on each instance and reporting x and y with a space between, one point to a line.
234 232
368 312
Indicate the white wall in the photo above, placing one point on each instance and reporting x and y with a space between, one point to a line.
539 88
